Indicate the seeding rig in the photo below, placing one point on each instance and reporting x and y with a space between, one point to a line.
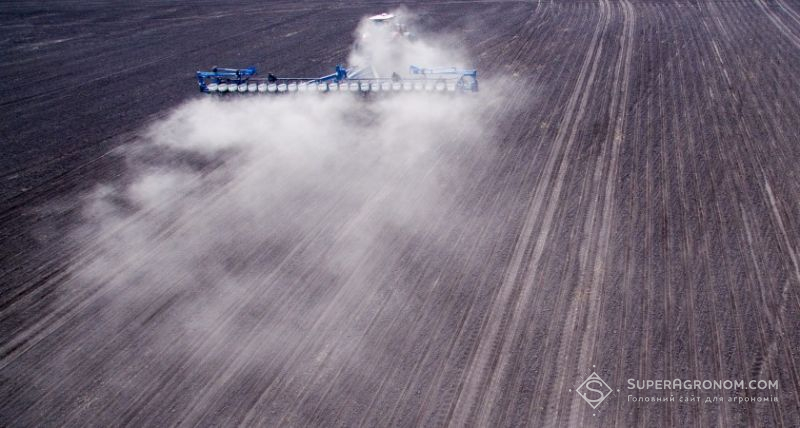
356 80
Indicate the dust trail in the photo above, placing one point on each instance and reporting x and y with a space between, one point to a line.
393 47
249 239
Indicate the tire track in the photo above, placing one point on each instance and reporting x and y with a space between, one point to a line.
619 105
471 399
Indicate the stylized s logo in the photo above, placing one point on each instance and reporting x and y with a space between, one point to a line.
599 392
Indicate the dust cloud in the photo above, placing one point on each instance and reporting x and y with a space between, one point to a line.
393 47
251 235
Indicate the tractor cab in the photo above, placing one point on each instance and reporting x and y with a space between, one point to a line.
387 25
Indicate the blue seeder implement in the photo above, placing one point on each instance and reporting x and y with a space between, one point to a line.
363 80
